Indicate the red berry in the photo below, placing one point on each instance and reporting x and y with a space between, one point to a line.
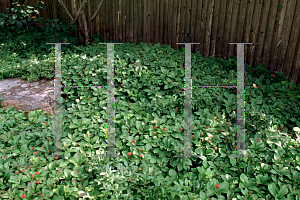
220 130
23 196
259 140
154 133
170 81
206 126
208 141
42 195
215 118
281 127
42 146
217 185
227 124
32 148
47 150
164 129
17 172
216 131
26 167
56 158
155 127
193 136
38 182
192 127
140 155
216 148
48 138
193 79
169 62
46 122
87 98
140 149
36 152
180 128
133 141
129 154
23 170
212 136
176 108
235 147
218 94
37 173
32 176
140 169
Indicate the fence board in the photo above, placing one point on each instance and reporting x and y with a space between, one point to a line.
287 24
254 30
227 28
277 37
214 30
233 28
247 27
221 28
291 51
262 30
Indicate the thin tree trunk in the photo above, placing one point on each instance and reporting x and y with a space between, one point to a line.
79 28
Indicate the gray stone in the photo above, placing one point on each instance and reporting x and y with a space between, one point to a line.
27 95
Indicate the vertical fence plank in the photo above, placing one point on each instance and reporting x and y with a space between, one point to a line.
214 30
193 24
287 24
181 24
202 25
136 26
227 25
221 23
141 15
187 19
262 30
127 19
145 26
156 19
151 21
291 49
174 21
165 21
170 22
269 33
233 29
119 20
254 29
113 19
247 27
208 28
178 31
277 37
296 63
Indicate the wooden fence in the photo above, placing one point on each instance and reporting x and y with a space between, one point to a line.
272 25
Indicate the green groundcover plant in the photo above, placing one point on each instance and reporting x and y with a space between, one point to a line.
149 131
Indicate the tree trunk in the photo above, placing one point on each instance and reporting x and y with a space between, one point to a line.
79 28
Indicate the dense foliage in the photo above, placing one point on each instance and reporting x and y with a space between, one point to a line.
149 98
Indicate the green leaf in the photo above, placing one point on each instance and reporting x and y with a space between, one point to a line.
73 125
232 161
148 146
172 172
138 124
273 189
244 178
283 190
153 160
